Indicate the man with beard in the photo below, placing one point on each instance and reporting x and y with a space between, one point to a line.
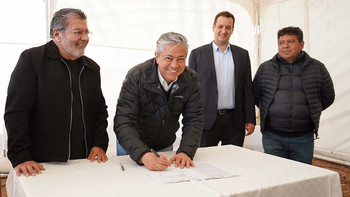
55 109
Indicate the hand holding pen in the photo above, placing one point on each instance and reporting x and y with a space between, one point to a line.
154 162
154 152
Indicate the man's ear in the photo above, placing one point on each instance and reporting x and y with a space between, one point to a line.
156 56
56 34
302 44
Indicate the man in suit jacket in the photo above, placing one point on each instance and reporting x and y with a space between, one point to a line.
224 73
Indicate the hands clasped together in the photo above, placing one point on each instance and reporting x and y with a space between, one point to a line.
154 163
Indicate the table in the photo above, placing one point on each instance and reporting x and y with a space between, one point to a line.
261 175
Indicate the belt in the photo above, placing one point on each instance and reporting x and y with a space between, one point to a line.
225 111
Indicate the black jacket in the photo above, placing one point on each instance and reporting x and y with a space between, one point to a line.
38 107
145 119
316 82
289 113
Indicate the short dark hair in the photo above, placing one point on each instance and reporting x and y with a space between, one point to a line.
291 31
60 18
225 14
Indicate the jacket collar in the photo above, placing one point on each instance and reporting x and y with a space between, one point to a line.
53 53
307 59
300 58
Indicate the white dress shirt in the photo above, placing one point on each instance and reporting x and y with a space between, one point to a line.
224 69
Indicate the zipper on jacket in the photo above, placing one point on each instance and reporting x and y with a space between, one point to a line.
163 118
173 90
82 113
71 110
291 73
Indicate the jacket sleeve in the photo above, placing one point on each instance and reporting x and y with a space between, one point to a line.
257 86
100 125
248 94
327 89
126 117
21 97
193 120
192 63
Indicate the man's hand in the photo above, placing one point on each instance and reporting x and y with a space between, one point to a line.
154 163
250 128
183 160
99 153
28 168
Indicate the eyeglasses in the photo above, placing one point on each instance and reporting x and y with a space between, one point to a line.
78 32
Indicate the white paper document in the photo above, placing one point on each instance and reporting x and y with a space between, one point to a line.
201 171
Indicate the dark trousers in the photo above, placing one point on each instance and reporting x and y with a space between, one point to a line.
224 130
295 148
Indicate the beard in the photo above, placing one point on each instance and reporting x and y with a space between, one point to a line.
74 48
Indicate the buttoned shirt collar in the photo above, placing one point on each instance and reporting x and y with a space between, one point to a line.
216 47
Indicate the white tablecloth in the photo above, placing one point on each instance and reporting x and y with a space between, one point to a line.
261 175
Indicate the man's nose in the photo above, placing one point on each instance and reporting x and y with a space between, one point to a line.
175 63
224 30
85 36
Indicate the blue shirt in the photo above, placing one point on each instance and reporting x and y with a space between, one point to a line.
224 69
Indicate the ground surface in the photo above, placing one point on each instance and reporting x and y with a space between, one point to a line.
3 190
344 173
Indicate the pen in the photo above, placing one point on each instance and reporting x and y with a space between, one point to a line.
154 152
121 166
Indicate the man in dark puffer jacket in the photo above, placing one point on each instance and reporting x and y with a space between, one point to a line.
291 90
154 94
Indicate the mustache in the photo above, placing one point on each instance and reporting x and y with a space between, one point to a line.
82 42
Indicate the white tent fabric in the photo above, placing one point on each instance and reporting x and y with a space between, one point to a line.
125 32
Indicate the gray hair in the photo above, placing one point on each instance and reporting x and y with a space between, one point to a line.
60 18
171 38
